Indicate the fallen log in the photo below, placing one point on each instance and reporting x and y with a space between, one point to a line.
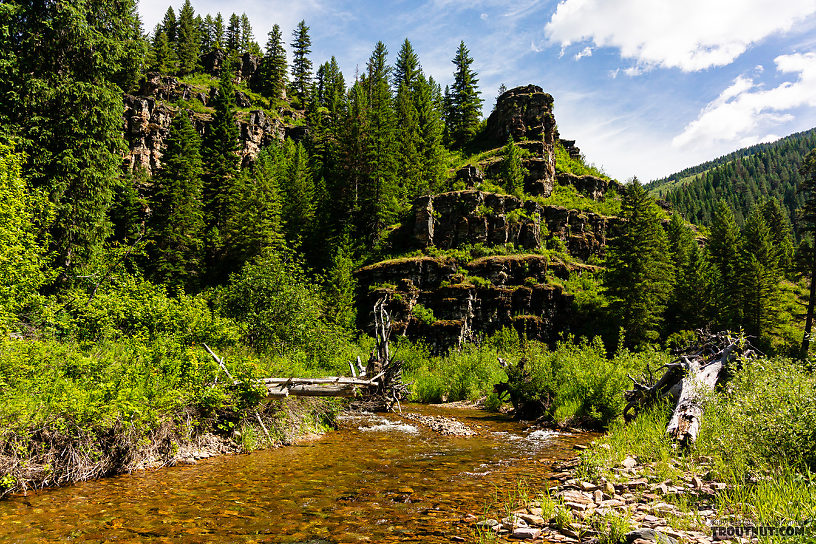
283 390
688 381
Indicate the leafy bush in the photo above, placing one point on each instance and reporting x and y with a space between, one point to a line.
423 314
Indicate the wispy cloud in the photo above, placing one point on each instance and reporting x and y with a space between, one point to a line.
745 111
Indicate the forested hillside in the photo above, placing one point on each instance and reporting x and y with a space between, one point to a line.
742 178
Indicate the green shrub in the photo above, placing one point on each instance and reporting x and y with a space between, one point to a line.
423 314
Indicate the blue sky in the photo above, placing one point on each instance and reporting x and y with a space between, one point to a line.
646 87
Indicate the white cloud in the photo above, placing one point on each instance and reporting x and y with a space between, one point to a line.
690 35
585 52
745 111
483 16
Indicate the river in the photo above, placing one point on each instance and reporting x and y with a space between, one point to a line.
378 478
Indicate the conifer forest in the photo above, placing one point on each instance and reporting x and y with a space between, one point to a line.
198 213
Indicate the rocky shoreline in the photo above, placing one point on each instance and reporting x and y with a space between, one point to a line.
640 509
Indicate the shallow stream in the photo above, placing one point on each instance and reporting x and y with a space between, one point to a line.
378 478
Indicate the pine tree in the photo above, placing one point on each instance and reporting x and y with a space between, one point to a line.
301 64
255 218
639 273
164 58
380 197
758 276
274 67
408 145
777 220
233 36
427 100
299 193
220 165
406 69
807 220
512 169
170 26
218 32
64 68
247 39
464 104
207 34
341 287
724 244
187 44
177 221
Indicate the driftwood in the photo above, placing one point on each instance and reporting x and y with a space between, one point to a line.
378 386
688 380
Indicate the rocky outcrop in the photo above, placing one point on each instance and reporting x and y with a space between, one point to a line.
247 68
147 121
459 218
469 300
590 186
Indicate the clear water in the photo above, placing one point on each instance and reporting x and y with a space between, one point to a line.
377 479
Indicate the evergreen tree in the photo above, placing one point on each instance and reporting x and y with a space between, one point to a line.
807 221
406 69
299 193
64 68
218 32
723 245
427 100
170 26
409 145
301 64
777 220
341 287
464 104
220 165
164 58
512 169
177 221
683 250
274 67
639 272
207 34
255 218
380 197
248 44
187 44
233 36
758 276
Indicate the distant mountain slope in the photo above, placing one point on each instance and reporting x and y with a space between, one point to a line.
741 178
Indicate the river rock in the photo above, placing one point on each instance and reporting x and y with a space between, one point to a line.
648 536
487 524
526 533
629 462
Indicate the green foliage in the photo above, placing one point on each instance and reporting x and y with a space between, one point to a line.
22 258
570 165
743 179
639 271
273 67
301 64
513 170
568 197
177 223
423 314
574 384
188 40
463 105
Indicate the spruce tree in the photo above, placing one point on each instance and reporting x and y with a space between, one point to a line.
758 276
255 217
777 220
341 287
177 220
64 67
512 169
406 69
170 26
233 37
639 272
274 67
409 145
464 104
301 64
299 193
248 44
208 34
724 244
380 196
187 44
220 165
427 100
164 58
807 221
218 32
